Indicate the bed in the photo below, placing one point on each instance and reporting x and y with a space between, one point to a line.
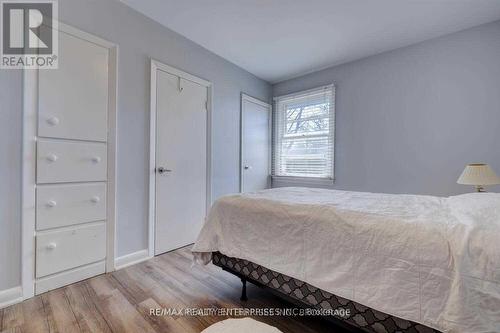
422 263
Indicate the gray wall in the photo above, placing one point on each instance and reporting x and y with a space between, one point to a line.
138 38
409 120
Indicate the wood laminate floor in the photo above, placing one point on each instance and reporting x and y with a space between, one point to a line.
121 301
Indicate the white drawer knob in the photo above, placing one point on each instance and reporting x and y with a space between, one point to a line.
95 199
51 246
52 158
51 203
53 121
96 159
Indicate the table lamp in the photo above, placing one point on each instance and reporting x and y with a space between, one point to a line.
478 175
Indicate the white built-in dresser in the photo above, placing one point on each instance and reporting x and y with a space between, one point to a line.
71 165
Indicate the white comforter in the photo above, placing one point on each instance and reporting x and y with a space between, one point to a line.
435 261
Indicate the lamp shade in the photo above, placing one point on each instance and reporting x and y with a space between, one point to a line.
478 174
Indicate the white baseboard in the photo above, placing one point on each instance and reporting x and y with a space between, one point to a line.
131 259
10 296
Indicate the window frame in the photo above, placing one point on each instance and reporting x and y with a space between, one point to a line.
284 180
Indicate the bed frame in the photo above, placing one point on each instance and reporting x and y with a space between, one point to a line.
304 295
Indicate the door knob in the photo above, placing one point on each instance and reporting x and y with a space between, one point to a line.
96 159
95 199
162 170
247 167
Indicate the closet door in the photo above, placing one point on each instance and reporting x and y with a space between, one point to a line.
71 175
73 99
181 161
255 174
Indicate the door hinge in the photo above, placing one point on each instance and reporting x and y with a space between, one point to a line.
181 88
206 105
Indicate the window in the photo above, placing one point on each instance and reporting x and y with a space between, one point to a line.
304 126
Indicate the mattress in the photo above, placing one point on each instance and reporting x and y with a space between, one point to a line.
429 260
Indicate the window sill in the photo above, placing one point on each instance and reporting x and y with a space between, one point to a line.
301 181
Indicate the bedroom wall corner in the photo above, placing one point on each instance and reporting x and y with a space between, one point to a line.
409 120
138 38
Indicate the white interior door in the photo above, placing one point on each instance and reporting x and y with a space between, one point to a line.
181 160
255 144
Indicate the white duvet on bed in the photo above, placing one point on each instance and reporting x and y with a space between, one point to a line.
435 261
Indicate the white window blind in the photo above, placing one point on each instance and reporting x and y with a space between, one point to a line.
304 126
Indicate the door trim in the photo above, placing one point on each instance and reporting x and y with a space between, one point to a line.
30 102
155 67
248 98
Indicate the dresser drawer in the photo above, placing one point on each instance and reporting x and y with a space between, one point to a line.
68 204
68 248
62 161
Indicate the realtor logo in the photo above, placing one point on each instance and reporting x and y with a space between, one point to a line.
29 34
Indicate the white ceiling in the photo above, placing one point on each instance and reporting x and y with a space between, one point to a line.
280 39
